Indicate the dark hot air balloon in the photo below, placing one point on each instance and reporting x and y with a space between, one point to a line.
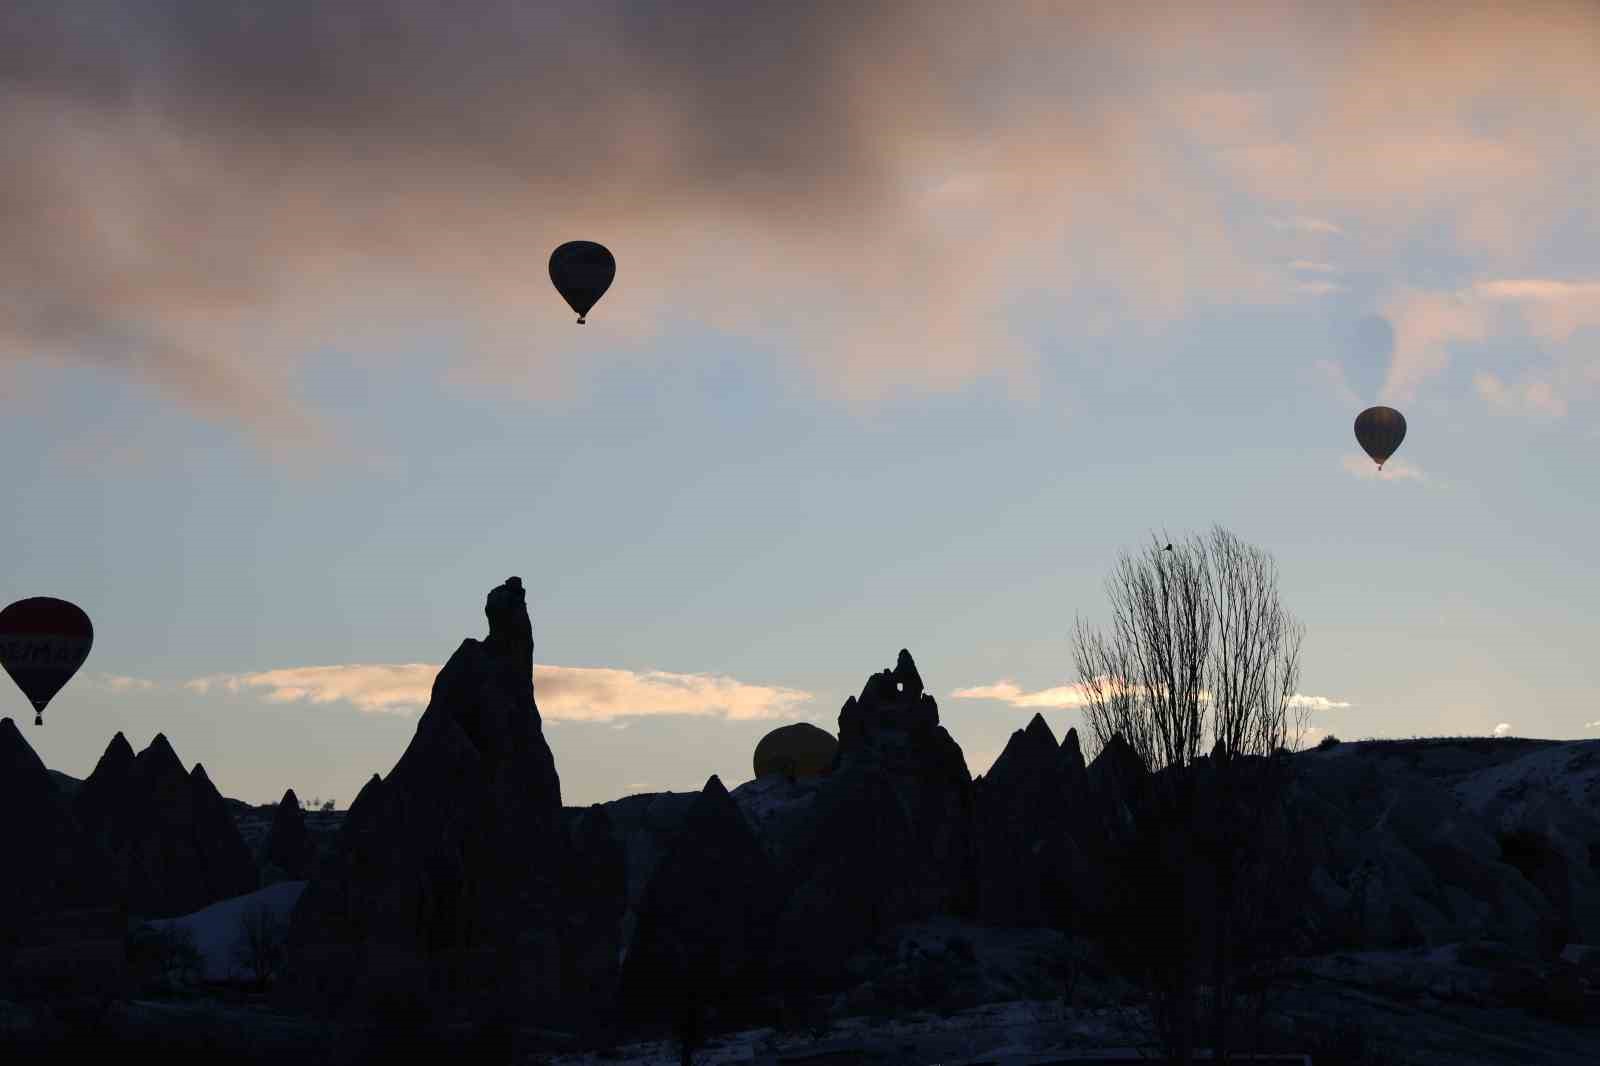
1380 431
582 272
43 641
800 750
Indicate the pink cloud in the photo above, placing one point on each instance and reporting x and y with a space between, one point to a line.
564 693
1426 324
1534 396
198 206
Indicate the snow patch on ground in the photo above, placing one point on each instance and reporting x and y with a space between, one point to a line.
1569 770
216 928
766 797
1009 1030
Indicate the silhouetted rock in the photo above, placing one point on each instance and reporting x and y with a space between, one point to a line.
894 725
780 811
1072 766
227 867
50 864
368 793
1395 861
1030 870
288 844
850 864
892 702
595 895
645 825
1117 779
887 839
1540 807
100 799
172 840
449 876
707 918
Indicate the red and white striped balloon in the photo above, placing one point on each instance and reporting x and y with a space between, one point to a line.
43 641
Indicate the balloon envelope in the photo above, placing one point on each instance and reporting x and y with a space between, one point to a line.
1379 430
799 750
582 271
43 641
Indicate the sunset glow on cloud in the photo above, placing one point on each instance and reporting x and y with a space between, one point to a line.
564 693
903 229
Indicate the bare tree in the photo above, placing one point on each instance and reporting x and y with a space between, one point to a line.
1252 671
259 944
165 956
1253 664
1199 649
1145 681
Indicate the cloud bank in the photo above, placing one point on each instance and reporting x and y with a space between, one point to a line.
1075 695
1547 315
202 193
1061 696
1394 469
564 693
120 683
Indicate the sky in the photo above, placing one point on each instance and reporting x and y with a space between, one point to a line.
924 312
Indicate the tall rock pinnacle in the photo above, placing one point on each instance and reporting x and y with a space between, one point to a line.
451 865
510 631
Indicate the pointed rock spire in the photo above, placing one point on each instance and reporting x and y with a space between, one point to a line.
227 867
706 918
1072 764
1030 754
1072 751
368 793
1039 731
510 631
118 751
159 758
107 798
19 762
288 843
461 845
48 862
171 838
905 674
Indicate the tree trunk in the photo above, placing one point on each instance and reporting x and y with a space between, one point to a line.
1184 855
1226 855
1221 1000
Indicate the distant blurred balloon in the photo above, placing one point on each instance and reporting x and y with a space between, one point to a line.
43 641
1379 430
799 750
1370 350
582 271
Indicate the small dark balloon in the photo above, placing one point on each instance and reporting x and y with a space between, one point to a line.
582 271
1379 431
43 641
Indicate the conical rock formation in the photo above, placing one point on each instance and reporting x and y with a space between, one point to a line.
449 869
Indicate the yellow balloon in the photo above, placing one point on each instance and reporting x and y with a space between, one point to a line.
799 750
